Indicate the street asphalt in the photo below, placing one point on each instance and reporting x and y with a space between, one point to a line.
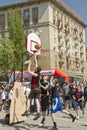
64 122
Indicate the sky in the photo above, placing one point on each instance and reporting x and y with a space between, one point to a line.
79 6
7 2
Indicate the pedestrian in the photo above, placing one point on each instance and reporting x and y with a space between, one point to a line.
56 104
3 97
66 96
35 90
78 101
27 91
85 94
44 85
10 94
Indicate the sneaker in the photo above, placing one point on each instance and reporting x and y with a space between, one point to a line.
27 113
54 128
73 118
37 116
42 123
3 110
77 117
24 114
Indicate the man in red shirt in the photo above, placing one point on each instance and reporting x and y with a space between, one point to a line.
35 89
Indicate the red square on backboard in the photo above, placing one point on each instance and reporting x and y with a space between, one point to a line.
32 46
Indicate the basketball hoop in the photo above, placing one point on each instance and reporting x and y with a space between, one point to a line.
33 44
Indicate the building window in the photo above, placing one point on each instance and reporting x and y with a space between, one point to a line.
26 17
35 15
54 16
55 60
2 20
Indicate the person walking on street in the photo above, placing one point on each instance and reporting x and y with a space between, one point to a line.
78 101
56 104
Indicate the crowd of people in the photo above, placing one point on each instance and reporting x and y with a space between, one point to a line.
45 96
50 97
6 92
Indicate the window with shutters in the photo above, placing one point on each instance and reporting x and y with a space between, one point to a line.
26 18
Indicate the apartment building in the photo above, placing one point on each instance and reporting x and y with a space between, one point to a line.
61 30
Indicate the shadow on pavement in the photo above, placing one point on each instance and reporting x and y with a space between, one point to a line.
16 126
36 125
68 127
84 125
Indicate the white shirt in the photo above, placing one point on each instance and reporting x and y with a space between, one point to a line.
2 94
10 93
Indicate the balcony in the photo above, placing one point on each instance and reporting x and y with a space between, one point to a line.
81 52
77 58
60 52
81 47
76 43
82 59
68 47
68 55
60 44
60 25
59 37
81 40
66 39
77 65
66 28
61 60
75 37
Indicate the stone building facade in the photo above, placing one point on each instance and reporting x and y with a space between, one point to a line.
61 30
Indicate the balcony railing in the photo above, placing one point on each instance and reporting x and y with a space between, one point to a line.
60 44
59 37
61 61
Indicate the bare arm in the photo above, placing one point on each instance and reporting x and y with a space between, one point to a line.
51 82
29 70
36 61
29 65
44 87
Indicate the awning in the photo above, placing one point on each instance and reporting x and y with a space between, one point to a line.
50 72
56 72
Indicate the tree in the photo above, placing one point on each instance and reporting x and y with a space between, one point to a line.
6 56
16 34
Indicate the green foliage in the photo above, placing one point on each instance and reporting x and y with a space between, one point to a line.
16 34
15 42
6 56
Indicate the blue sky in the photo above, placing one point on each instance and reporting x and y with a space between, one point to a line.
7 2
79 6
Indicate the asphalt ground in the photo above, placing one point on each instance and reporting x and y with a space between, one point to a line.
64 122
